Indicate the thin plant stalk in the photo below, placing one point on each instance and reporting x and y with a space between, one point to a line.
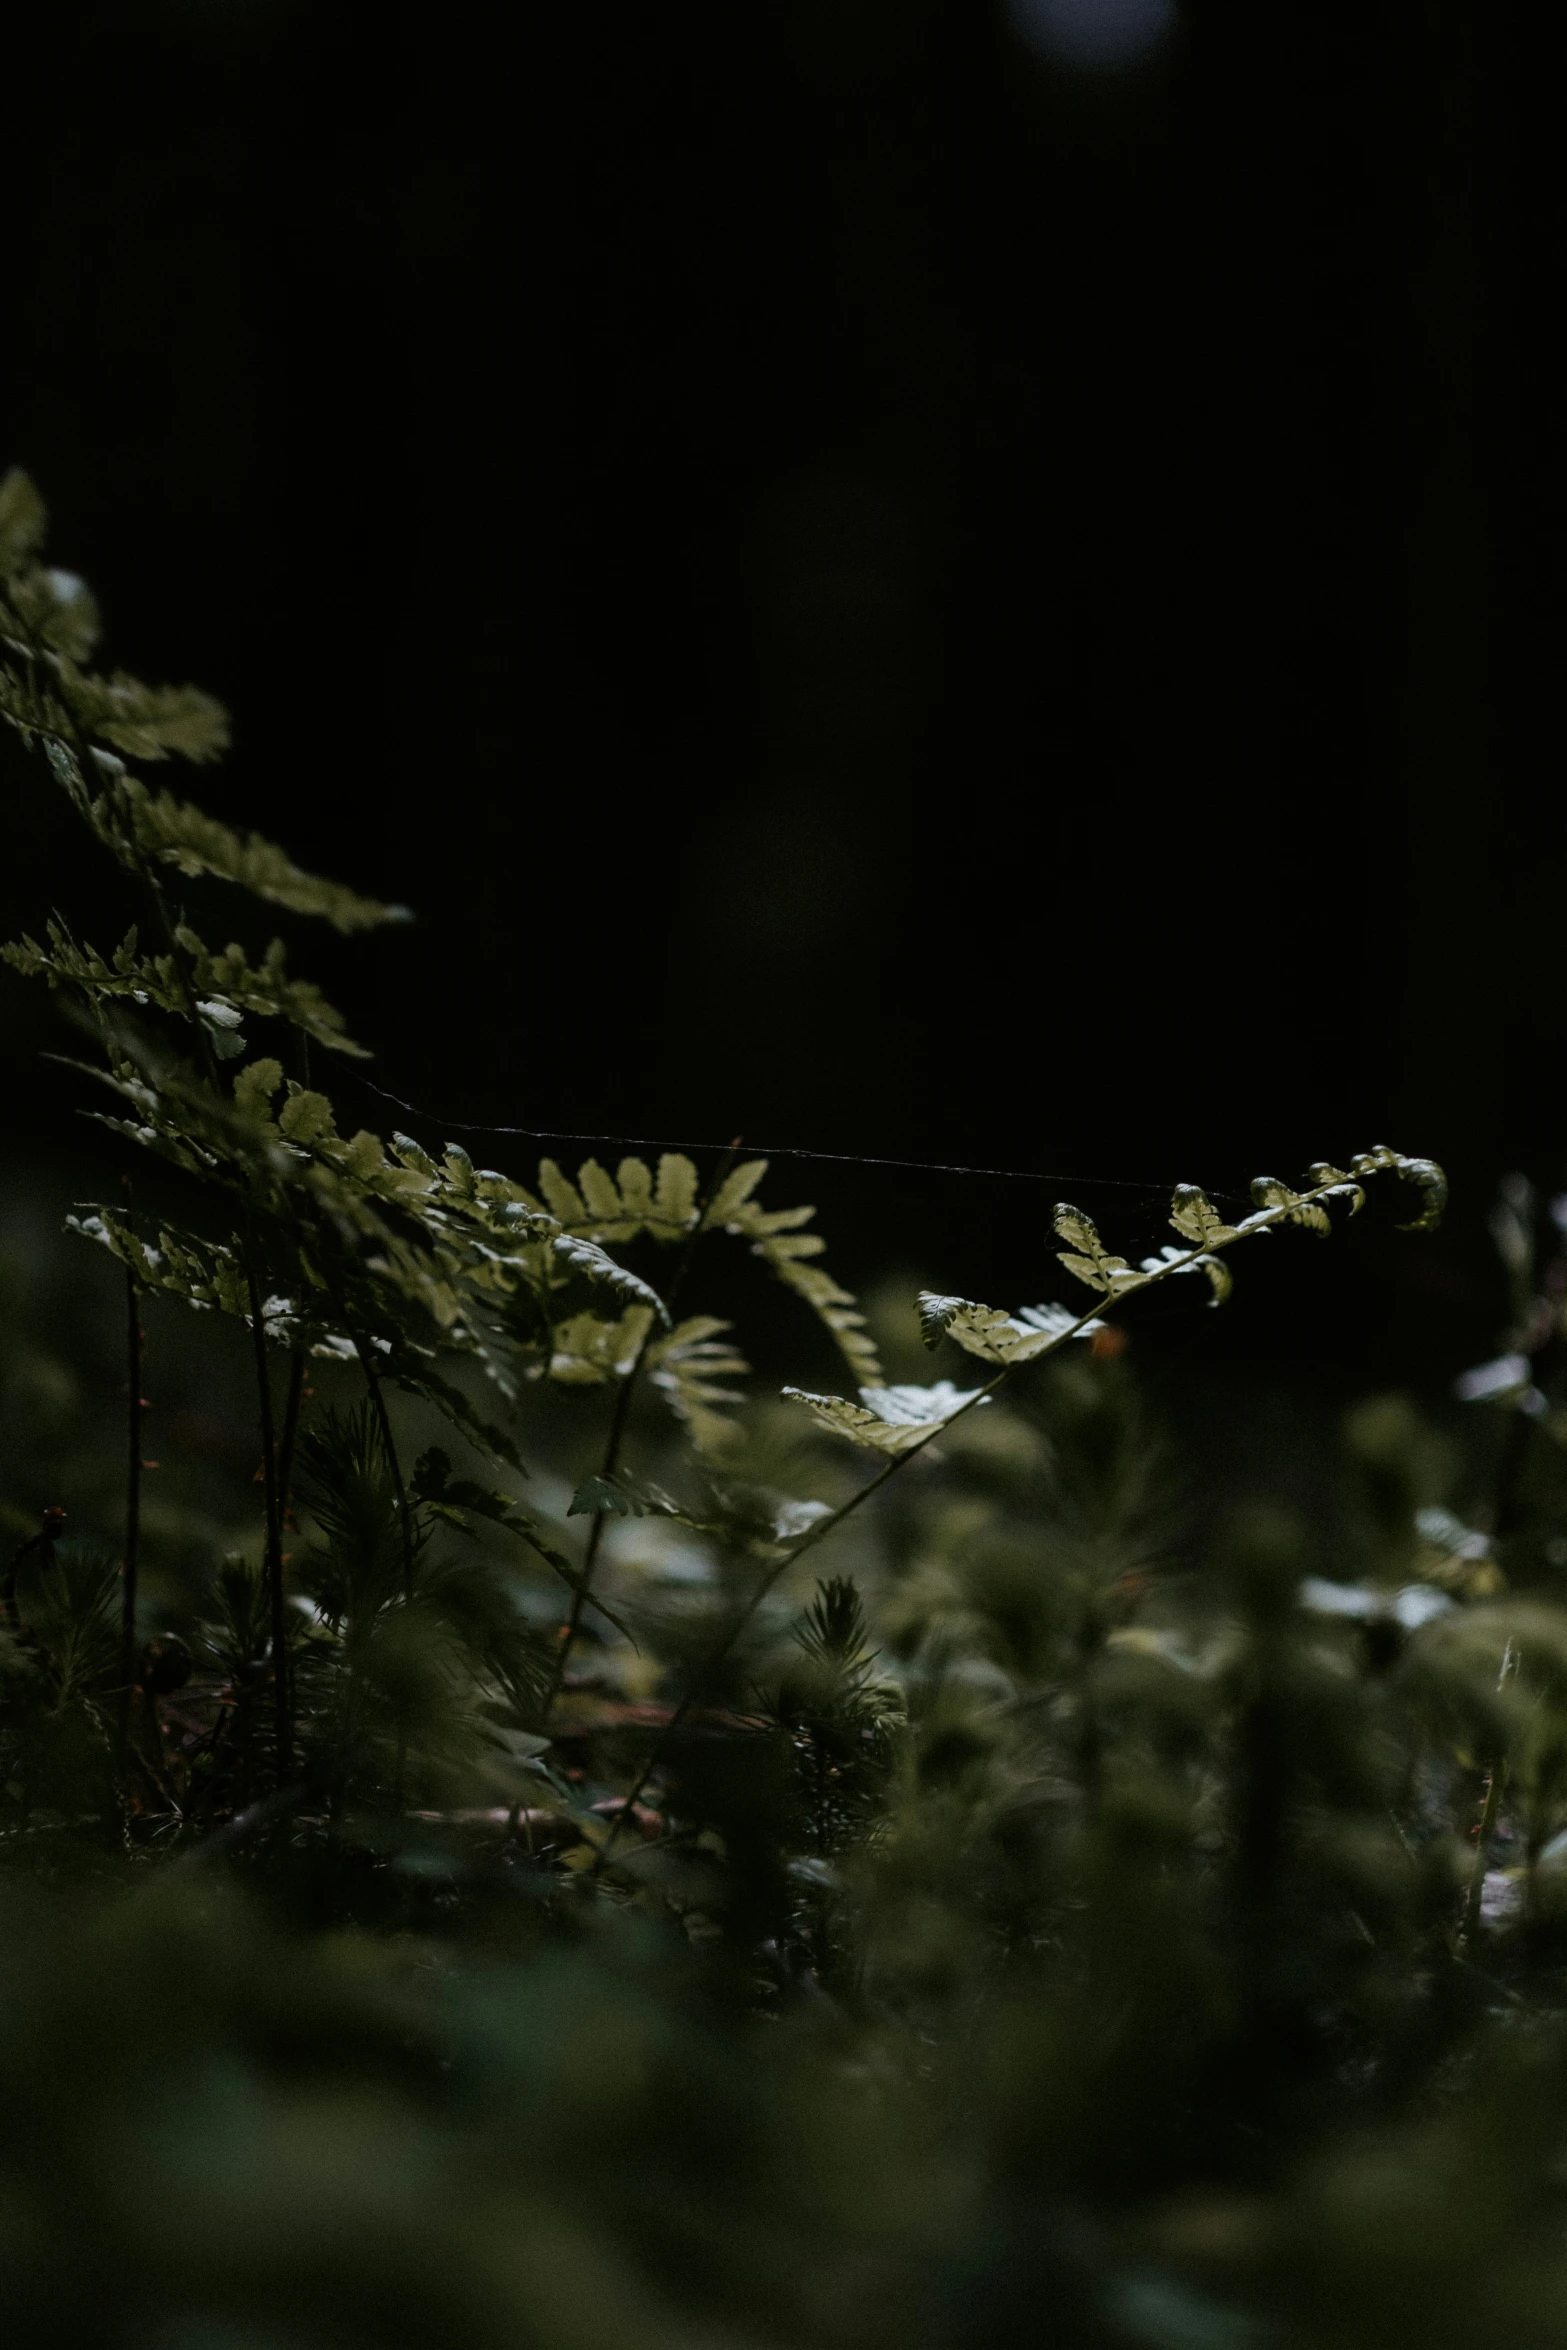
584 1589
269 1458
617 1432
404 1523
291 1410
384 1421
296 1372
1494 1785
274 1557
133 1474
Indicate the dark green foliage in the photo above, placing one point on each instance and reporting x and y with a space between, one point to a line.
551 1912
839 1722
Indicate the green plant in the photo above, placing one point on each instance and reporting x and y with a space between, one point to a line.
1056 1905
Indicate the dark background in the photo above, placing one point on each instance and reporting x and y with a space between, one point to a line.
871 589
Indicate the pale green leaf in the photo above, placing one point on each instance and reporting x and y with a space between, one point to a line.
1271 1196
588 1350
145 721
676 1196
1079 1231
585 1256
560 1195
306 1117
221 988
1087 1259
255 1086
733 1193
1195 1217
635 1180
1219 1278
888 1419
137 823
1427 1177
599 1193
994 1336
687 1367
54 609
601 1496
1344 1187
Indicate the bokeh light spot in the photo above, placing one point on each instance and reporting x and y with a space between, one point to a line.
1094 34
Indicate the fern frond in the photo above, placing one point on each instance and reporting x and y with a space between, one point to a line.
210 1276
143 721
776 1238
138 825
204 1273
888 1419
996 1337
1268 1193
1087 1258
687 1366
416 1374
1426 1176
733 1194
675 1196
900 1420
1332 1182
614 1209
53 610
588 1350
598 1209
585 1256
1196 1219
220 988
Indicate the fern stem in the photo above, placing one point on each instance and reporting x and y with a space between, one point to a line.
584 1589
269 1459
1476 1893
617 1430
384 1422
404 1525
291 1410
829 1525
133 1349
274 1561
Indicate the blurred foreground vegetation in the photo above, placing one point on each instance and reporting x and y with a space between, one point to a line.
511 1831
1092 1948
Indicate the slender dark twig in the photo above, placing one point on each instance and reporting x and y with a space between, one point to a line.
133 1467
285 1459
404 1522
383 1417
296 1374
